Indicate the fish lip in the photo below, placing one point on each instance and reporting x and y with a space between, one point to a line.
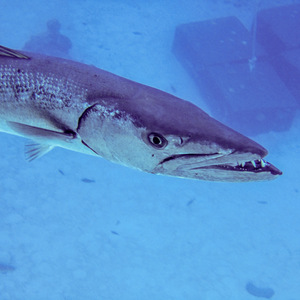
258 165
189 155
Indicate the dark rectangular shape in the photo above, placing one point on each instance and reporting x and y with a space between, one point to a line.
278 28
287 66
216 53
249 101
215 41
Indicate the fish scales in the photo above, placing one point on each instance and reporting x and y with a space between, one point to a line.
33 94
47 91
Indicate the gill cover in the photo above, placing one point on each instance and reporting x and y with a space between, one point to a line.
90 128
111 133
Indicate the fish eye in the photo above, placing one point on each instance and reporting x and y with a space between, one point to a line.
157 140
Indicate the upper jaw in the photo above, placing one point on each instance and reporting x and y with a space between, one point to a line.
201 160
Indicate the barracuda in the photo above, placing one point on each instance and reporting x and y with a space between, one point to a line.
58 102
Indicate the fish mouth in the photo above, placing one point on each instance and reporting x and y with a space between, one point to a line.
219 167
256 166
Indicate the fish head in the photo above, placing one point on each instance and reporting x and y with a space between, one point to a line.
162 134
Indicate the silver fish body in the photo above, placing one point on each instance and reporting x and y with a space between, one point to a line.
49 93
58 102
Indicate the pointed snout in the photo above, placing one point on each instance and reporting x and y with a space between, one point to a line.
229 139
243 144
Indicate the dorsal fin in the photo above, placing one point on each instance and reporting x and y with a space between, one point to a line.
12 53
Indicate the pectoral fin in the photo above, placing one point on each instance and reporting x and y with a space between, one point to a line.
34 151
41 134
47 138
12 53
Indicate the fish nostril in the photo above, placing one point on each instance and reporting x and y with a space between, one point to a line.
181 141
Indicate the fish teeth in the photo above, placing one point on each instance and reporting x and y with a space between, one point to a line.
263 163
253 163
241 164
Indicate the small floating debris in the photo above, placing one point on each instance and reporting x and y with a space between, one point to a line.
87 180
61 172
190 202
260 292
5 268
173 89
262 202
114 232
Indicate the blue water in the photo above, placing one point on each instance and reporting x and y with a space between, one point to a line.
79 227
